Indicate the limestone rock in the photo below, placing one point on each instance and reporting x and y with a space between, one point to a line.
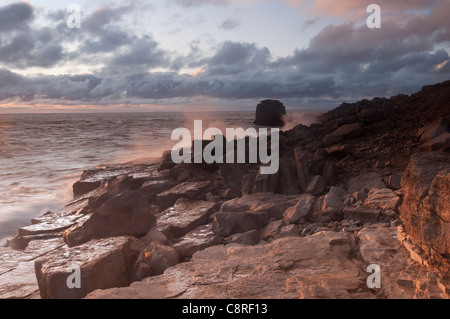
344 132
229 223
270 113
273 204
153 260
197 239
382 198
187 190
369 181
317 185
303 209
363 214
425 207
315 270
184 216
103 264
123 215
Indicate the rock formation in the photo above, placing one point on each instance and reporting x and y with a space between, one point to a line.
368 184
270 113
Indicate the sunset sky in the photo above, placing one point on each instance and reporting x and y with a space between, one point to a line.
220 54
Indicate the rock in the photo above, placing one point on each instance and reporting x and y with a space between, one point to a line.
303 176
317 185
394 181
151 188
187 189
303 209
81 187
288 231
334 199
232 175
229 223
54 224
342 133
369 181
154 235
425 208
266 183
360 196
440 143
271 229
328 171
153 260
287 181
362 213
248 181
197 239
270 113
272 204
382 198
315 270
228 193
184 216
103 264
250 237
434 130
123 215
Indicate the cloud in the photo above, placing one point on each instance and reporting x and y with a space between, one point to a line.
230 24
199 3
15 16
343 61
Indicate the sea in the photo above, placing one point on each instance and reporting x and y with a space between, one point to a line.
42 155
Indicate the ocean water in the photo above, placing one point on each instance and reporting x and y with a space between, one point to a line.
42 155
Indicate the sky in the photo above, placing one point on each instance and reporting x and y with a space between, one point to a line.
171 55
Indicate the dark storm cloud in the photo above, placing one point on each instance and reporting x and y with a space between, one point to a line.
15 16
342 61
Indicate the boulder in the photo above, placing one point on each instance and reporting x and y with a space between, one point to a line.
369 181
184 216
425 208
317 185
328 171
273 204
440 143
434 130
303 176
394 181
287 181
197 239
250 237
154 235
382 198
151 188
342 133
334 199
82 187
153 260
363 214
266 183
127 214
232 175
102 264
229 223
271 229
187 190
315 270
303 209
270 113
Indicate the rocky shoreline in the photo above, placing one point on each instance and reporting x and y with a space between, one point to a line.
368 184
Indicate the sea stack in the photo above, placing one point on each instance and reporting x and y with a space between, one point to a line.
270 113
